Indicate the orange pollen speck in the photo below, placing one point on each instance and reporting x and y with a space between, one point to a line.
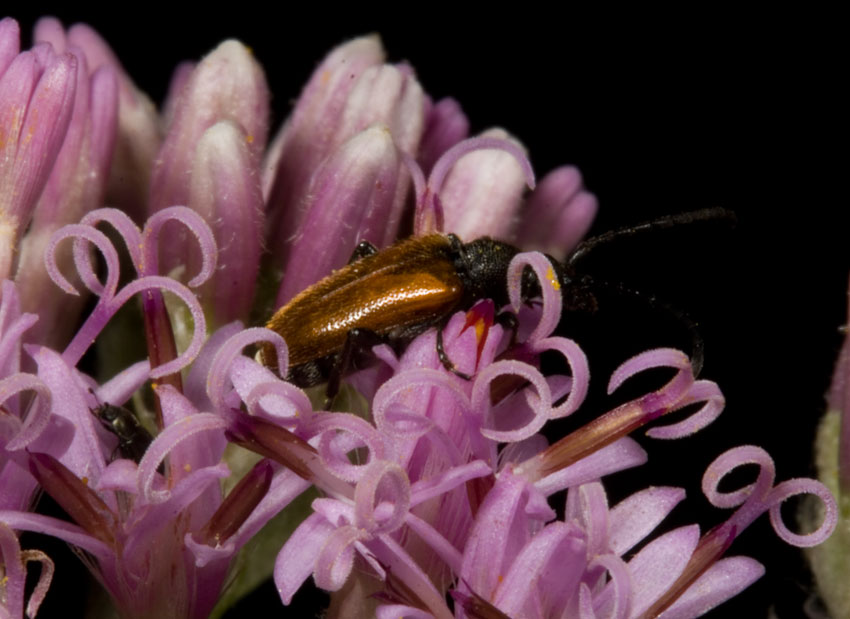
85 481
187 467
249 139
550 275
326 77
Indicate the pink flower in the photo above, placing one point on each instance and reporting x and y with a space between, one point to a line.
435 493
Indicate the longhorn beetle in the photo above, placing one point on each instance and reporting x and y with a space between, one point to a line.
394 294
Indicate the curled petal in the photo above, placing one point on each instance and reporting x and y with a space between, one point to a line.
671 393
179 290
218 383
614 601
168 439
539 403
199 229
579 367
280 401
701 391
45 577
550 286
122 223
396 419
337 558
14 574
385 485
794 487
725 463
104 246
761 496
340 434
39 414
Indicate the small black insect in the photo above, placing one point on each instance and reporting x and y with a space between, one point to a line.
133 438
395 294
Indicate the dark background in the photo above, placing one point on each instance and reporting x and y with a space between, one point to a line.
730 110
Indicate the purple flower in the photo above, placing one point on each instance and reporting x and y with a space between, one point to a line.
443 488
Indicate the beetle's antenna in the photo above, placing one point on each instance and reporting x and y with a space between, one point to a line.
707 214
697 355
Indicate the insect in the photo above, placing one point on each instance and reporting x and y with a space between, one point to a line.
133 438
397 293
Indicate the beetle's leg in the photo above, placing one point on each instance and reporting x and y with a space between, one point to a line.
363 249
356 342
444 358
509 320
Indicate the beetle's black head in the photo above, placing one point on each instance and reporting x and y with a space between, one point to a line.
107 414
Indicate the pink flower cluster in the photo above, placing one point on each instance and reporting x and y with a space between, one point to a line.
445 487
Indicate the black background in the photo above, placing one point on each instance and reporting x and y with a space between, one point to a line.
663 112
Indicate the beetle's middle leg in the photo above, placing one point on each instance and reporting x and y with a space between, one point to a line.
358 343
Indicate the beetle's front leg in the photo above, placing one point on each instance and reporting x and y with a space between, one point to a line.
509 320
363 249
444 358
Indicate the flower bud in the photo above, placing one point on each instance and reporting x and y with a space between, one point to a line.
225 191
36 99
76 185
353 194
483 193
228 84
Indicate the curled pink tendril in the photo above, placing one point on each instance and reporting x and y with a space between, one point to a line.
340 434
218 379
195 224
382 498
38 416
760 496
110 299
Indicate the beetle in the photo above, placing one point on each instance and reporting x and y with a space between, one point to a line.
397 293
133 438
